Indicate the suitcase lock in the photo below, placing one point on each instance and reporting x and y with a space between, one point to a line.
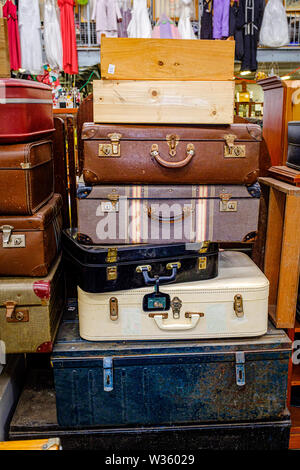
231 150
15 315
176 305
238 306
113 149
172 141
113 309
9 240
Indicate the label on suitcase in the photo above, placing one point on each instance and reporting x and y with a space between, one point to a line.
30 311
26 110
234 304
29 244
161 155
161 383
26 177
164 214
118 267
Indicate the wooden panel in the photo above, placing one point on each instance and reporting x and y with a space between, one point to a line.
280 185
289 265
163 102
166 59
4 50
273 243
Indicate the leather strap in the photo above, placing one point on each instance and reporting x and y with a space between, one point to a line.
166 164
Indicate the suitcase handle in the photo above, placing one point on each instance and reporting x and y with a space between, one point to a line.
186 211
149 281
163 325
190 151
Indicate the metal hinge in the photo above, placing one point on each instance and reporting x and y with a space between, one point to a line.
108 378
240 368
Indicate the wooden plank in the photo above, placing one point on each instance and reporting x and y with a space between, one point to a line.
273 243
36 444
280 185
289 265
163 102
4 50
166 59
284 173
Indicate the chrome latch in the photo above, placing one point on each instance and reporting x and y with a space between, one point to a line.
172 141
108 374
113 309
231 150
6 229
113 149
240 368
176 305
226 205
238 305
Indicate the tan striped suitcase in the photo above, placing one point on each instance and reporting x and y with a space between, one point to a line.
30 311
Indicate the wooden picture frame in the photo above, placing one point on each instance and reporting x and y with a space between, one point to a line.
292 5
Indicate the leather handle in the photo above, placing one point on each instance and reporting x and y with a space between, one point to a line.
190 151
171 219
193 320
159 279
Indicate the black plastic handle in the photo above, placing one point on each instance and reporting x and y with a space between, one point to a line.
149 281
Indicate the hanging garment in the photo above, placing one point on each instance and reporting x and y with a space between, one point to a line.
123 25
234 31
106 13
30 36
248 22
184 25
221 19
52 36
206 21
140 25
70 60
10 12
165 29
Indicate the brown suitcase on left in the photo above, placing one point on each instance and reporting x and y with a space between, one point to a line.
26 177
29 244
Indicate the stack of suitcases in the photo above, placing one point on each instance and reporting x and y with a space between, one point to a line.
32 293
172 330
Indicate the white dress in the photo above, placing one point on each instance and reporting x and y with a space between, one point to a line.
52 36
184 25
30 36
140 25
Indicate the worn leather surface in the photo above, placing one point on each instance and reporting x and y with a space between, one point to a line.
42 237
24 190
137 165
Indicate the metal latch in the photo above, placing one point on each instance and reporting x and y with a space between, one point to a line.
226 205
112 255
113 308
172 141
111 273
53 442
202 263
238 305
9 240
240 368
204 247
176 305
6 229
108 379
15 315
113 149
231 150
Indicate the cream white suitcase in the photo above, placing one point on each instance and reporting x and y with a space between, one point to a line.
234 304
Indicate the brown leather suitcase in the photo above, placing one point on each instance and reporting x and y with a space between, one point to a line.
29 244
175 154
26 177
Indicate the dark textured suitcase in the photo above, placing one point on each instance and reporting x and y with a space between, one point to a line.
26 177
26 110
35 418
230 154
293 155
30 311
104 269
29 244
167 383
163 214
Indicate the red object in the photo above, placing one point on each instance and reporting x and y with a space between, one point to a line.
26 111
70 60
42 289
10 12
45 347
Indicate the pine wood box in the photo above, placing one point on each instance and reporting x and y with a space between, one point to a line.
163 102
4 51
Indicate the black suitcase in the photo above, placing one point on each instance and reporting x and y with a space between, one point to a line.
293 156
35 418
110 268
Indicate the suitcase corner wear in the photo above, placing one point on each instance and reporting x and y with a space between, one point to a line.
29 244
119 267
26 110
167 383
30 311
138 154
233 304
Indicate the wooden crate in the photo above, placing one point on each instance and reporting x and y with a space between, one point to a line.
164 102
166 59
4 50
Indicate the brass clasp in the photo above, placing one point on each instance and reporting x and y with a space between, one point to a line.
172 141
113 149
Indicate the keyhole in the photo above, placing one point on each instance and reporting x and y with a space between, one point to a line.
107 380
